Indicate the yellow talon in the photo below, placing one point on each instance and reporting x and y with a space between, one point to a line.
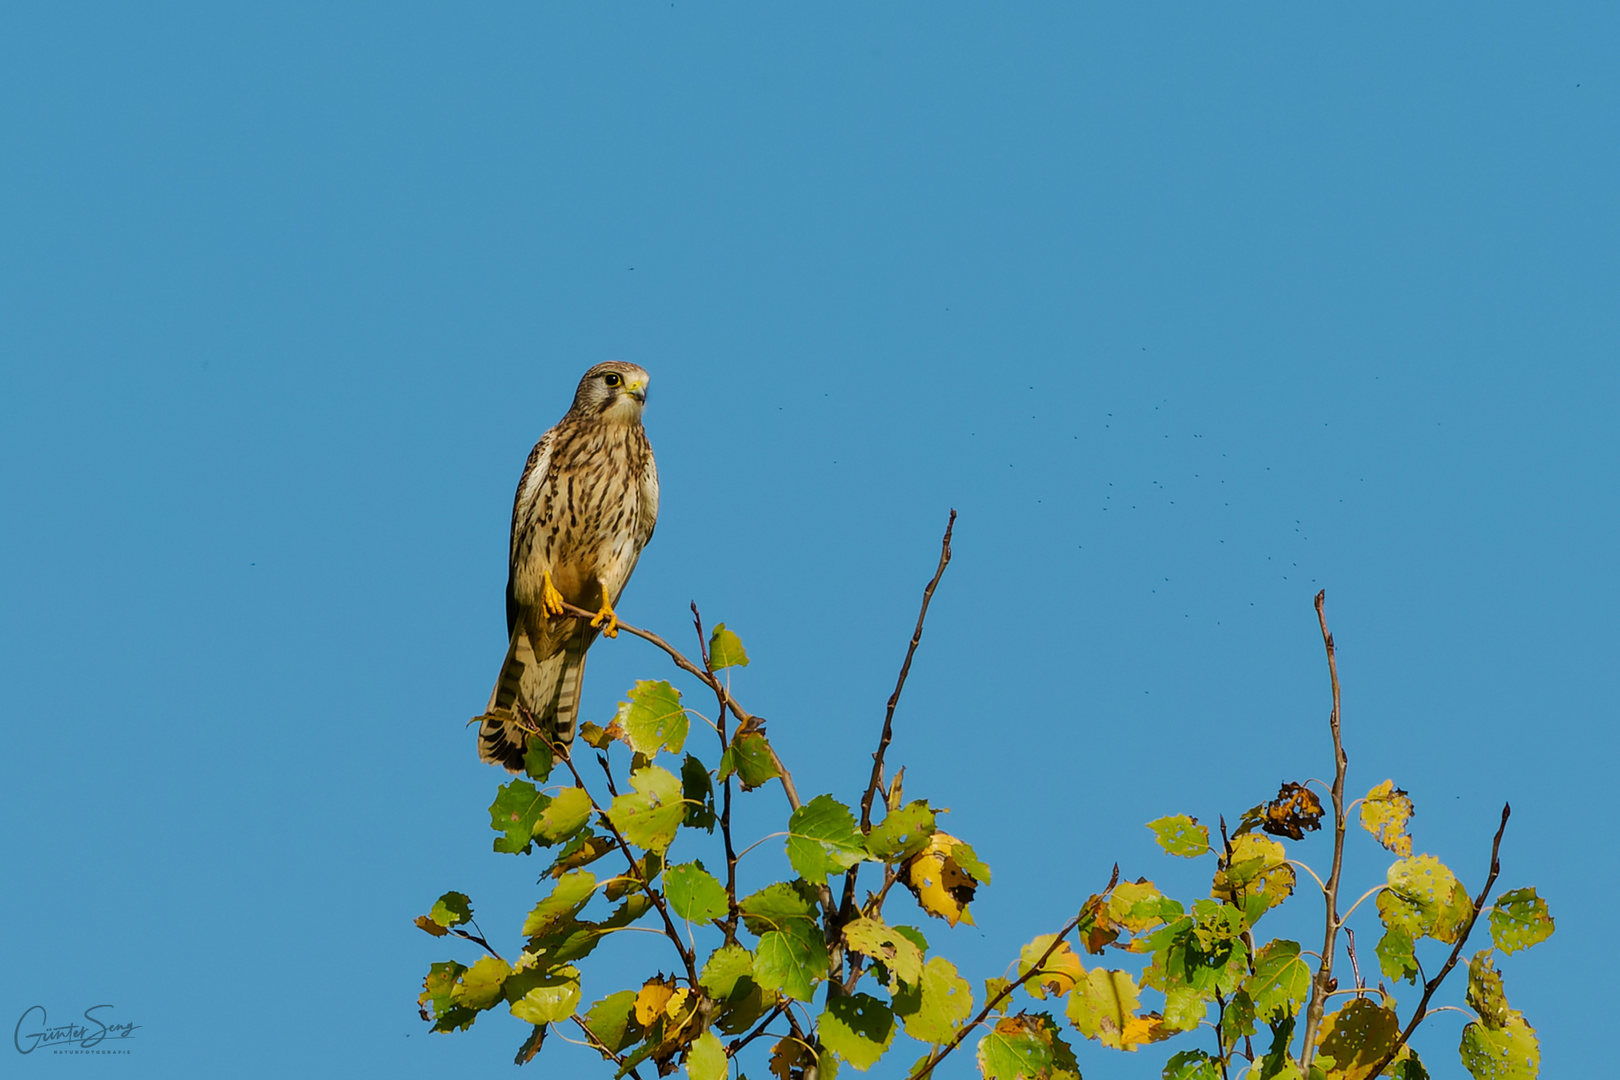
551 601
612 627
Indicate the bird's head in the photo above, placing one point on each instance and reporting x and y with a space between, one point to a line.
614 391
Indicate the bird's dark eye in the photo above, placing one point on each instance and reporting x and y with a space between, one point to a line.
612 379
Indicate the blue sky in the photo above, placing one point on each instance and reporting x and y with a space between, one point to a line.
1189 312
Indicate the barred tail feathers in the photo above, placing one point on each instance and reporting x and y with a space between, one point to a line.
548 689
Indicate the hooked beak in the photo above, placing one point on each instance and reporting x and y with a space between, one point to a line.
637 391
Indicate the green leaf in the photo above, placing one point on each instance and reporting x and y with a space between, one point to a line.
1356 1038
858 1028
1026 1047
969 861
650 817
698 791
537 759
1280 981
706 1060
791 960
572 891
1425 899
438 989
1396 958
549 999
451 909
613 1020
936 1004
903 833
895 951
1192 1065
822 839
1181 835
778 905
653 718
1139 906
1485 995
1238 1020
1277 1064
749 757
913 935
517 806
1385 812
582 850
1520 919
1256 876
1407 1067
726 649
1185 1008
480 985
725 966
566 812
694 894
1510 1052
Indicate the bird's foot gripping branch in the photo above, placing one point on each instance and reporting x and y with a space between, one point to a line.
814 974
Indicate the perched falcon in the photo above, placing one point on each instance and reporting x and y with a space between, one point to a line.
584 509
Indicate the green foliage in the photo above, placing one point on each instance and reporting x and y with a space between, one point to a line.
822 839
726 649
808 971
1181 835
649 817
653 718
1520 919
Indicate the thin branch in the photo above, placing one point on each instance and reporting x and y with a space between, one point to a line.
599 1045
1433 984
688 958
708 679
728 925
900 683
759 1029
846 907
1323 982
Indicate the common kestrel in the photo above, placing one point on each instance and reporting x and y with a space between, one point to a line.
585 507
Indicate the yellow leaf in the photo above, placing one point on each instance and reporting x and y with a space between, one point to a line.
1385 813
1057 974
652 999
941 886
1102 1006
1258 868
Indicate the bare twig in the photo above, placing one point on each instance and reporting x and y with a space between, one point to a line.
1324 974
935 1057
1433 984
708 679
900 683
846 908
